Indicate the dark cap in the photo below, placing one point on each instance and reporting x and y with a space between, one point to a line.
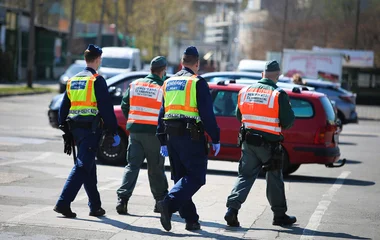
272 66
191 51
158 62
94 49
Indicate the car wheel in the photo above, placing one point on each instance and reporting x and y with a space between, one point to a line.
288 168
114 155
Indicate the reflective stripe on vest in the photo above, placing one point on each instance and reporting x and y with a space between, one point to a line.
260 109
80 91
145 102
181 97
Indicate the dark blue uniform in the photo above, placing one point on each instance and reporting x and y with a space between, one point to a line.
188 157
84 170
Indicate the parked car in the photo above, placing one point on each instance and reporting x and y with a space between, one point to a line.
229 76
116 86
73 69
345 101
312 139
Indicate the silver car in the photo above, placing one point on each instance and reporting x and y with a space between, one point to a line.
345 101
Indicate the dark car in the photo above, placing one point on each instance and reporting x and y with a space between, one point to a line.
345 101
117 86
73 69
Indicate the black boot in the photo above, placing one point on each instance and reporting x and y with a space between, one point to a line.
98 213
231 217
65 211
284 220
156 210
193 226
166 215
122 206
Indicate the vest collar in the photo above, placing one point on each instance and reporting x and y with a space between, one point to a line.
269 82
91 70
188 69
155 78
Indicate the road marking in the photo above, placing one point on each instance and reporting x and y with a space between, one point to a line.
19 218
315 219
39 157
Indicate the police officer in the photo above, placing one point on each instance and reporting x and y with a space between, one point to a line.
264 109
186 112
141 105
86 103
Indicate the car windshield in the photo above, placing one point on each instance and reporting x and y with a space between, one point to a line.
74 69
115 62
330 114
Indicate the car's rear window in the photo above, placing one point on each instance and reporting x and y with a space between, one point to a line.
329 110
302 108
225 103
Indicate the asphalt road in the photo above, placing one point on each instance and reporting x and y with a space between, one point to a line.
339 203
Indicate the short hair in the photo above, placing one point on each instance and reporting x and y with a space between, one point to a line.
157 70
297 78
189 59
90 56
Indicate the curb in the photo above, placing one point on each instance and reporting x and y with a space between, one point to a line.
369 119
23 94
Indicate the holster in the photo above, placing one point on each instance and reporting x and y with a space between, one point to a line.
276 161
254 139
241 136
181 128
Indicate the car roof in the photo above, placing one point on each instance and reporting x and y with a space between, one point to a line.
254 75
320 83
238 86
139 74
121 76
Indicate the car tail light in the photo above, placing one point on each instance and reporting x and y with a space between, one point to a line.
320 135
347 98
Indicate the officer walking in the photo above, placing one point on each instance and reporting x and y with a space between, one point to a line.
186 113
264 110
141 105
86 103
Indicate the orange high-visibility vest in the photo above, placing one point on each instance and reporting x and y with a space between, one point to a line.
145 102
260 109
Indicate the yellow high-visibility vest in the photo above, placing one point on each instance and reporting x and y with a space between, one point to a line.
180 96
81 92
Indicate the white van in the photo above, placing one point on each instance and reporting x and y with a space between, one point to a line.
116 60
247 65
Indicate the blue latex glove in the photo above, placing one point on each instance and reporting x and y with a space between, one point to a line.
164 151
216 148
116 140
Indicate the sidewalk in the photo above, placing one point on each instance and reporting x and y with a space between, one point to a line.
366 112
53 84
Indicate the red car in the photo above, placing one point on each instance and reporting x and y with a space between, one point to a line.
312 139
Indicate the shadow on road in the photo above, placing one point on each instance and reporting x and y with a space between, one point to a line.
358 135
300 231
156 231
352 161
348 143
327 180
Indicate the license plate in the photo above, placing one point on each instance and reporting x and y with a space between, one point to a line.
336 138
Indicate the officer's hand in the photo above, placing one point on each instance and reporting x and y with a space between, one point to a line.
116 140
216 148
164 151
